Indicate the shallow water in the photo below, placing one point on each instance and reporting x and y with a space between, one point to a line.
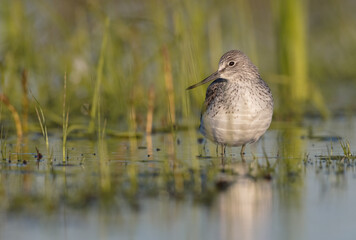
172 187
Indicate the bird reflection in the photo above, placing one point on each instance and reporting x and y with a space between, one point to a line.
246 204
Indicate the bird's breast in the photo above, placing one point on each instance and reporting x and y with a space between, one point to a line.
236 116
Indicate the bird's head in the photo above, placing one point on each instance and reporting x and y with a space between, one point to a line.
233 66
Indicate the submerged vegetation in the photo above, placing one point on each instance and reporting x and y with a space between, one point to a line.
113 174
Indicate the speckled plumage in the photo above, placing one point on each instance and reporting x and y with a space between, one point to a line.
238 106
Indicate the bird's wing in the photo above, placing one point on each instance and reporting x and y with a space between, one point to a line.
214 89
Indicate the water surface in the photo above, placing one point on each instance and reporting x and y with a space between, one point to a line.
171 186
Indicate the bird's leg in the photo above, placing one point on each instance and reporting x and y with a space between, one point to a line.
204 147
242 153
243 150
223 149
217 149
223 154
223 162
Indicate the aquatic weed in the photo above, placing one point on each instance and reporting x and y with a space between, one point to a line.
42 121
65 119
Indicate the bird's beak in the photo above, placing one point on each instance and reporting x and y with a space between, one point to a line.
212 77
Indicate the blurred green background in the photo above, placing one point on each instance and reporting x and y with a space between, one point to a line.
134 59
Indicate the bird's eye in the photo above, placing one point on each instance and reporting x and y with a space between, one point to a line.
231 63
